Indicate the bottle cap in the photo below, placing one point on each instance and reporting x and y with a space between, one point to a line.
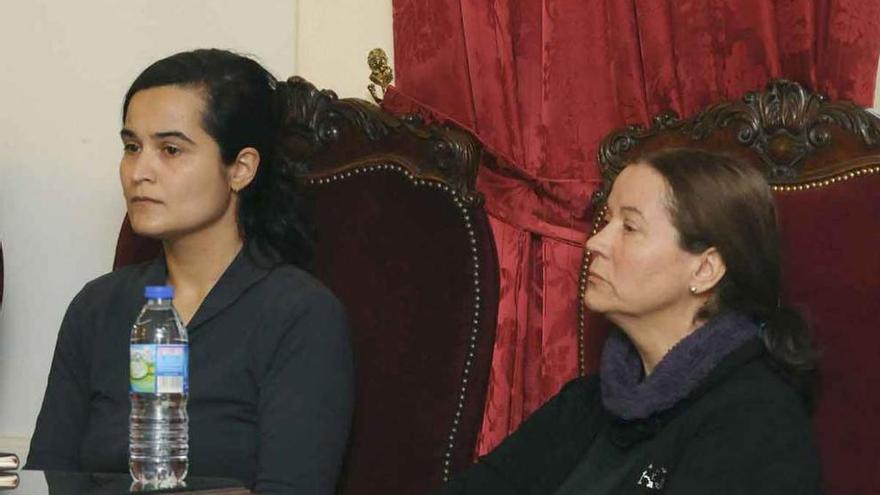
159 292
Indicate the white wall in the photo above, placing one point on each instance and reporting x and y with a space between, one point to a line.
65 67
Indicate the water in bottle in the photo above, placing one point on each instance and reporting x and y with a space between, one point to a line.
158 429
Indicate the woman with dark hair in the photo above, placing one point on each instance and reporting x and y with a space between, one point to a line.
271 385
705 383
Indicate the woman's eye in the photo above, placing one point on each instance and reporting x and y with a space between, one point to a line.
628 227
171 150
130 147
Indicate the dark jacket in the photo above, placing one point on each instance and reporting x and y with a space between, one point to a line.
743 430
270 375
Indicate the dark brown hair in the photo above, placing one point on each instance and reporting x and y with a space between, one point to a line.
717 200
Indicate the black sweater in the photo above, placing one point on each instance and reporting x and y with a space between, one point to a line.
271 379
743 430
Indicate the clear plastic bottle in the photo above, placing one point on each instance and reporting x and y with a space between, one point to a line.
159 385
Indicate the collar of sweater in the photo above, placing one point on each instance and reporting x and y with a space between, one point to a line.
629 395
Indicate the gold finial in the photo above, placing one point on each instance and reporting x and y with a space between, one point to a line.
380 72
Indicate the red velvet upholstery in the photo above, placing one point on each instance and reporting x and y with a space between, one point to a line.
832 270
404 242
823 161
404 274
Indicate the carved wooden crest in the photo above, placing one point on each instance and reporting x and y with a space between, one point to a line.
363 133
785 129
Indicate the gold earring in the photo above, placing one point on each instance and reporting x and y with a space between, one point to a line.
693 290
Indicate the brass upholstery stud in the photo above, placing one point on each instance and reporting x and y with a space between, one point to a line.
852 174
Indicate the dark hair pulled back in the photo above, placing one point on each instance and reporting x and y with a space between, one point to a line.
722 201
244 107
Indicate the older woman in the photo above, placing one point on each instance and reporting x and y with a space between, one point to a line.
271 375
705 384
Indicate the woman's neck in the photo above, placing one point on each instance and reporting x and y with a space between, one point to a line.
196 262
654 337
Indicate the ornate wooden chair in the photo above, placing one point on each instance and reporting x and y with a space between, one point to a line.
405 244
822 160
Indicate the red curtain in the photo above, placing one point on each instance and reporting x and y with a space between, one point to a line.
540 83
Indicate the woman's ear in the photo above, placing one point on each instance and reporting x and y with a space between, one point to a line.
710 270
244 168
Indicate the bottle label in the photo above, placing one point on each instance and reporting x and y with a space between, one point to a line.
159 368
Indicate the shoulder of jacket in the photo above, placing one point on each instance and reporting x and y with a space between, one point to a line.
294 278
291 289
581 392
290 283
757 389
110 284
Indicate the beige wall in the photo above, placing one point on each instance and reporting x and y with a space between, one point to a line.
66 66
333 39
877 88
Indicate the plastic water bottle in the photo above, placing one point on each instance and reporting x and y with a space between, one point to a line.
158 426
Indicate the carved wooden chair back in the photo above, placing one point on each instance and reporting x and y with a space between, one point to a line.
822 160
404 242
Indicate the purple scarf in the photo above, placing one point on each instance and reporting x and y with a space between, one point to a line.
628 396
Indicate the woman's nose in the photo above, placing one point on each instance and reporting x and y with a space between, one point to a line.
596 243
143 167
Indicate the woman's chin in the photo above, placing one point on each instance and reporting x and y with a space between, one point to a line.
143 228
591 301
594 301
